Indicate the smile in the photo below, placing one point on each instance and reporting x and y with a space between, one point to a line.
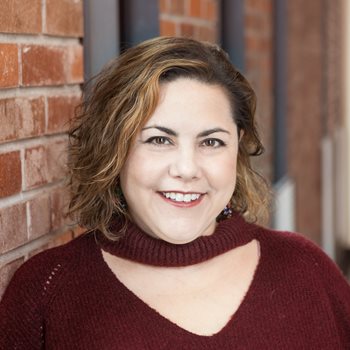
181 197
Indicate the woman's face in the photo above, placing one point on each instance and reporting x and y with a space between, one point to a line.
181 170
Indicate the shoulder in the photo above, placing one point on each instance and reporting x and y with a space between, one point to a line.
291 242
32 289
44 272
70 251
300 252
302 267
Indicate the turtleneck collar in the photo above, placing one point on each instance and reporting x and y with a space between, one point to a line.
140 247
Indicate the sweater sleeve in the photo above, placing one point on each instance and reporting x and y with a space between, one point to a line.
339 295
337 288
23 304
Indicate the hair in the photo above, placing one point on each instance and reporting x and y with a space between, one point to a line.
123 97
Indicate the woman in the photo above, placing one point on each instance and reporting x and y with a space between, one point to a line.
161 177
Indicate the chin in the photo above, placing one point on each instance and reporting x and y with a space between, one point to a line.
181 235
179 239
173 239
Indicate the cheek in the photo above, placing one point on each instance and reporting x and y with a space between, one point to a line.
223 173
141 170
228 176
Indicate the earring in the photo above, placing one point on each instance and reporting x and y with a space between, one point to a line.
227 212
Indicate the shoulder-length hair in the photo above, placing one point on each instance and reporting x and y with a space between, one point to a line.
124 96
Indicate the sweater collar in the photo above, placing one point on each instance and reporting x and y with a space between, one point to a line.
138 246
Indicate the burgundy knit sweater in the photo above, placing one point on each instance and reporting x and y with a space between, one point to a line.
68 298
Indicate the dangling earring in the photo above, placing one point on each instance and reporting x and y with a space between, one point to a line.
227 212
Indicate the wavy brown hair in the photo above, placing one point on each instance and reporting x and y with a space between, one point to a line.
121 100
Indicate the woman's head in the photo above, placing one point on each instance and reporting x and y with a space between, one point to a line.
181 168
122 100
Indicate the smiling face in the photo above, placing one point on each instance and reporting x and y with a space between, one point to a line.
181 170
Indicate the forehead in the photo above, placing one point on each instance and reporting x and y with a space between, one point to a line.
185 102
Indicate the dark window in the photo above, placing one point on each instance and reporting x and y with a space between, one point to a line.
232 31
113 25
139 21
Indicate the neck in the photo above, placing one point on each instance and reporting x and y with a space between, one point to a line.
138 246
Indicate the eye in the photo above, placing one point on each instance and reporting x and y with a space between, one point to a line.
158 140
213 143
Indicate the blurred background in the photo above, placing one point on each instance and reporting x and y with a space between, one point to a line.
296 54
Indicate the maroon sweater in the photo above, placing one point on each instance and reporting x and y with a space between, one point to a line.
68 298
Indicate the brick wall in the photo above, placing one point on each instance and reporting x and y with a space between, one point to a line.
197 19
258 38
314 89
333 42
41 67
304 112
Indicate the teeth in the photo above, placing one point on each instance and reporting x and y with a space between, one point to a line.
187 198
180 197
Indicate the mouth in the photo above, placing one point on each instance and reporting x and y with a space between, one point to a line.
182 199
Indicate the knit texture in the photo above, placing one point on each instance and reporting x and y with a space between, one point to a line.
140 247
68 298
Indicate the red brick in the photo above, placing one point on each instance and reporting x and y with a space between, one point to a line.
64 17
251 61
305 75
195 8
6 273
167 28
187 30
39 215
8 65
45 163
36 172
254 22
10 174
61 110
210 10
59 205
259 6
43 65
163 6
258 25
57 159
75 65
257 45
252 44
18 16
177 7
267 6
13 227
21 118
206 34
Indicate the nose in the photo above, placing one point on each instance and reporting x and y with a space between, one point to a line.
185 165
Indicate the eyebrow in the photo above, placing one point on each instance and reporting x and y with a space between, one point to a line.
173 133
212 131
161 128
